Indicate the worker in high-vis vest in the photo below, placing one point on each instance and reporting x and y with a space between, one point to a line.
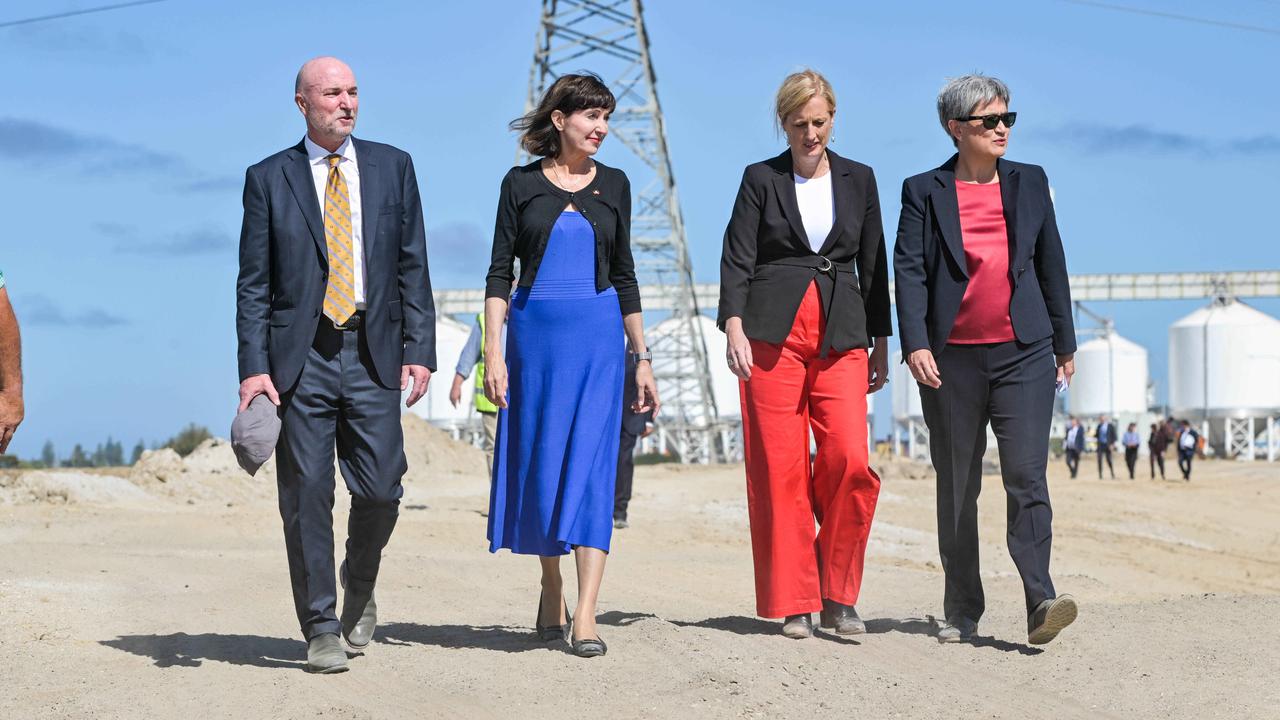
472 358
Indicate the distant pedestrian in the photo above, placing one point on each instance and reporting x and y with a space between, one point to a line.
635 425
1188 442
472 357
1131 441
1073 445
1105 435
11 407
1157 443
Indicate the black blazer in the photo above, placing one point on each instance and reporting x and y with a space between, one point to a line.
529 205
767 264
1105 434
931 274
1078 445
284 266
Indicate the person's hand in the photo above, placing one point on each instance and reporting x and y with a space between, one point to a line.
738 349
256 385
1066 368
649 429
421 376
878 366
495 380
646 390
924 369
12 411
455 392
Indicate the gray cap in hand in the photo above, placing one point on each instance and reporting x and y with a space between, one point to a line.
254 433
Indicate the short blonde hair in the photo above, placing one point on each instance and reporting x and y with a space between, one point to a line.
799 88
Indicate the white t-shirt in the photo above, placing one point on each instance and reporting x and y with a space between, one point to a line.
817 207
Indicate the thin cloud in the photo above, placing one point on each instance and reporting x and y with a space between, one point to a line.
37 144
41 310
1102 140
188 243
63 42
459 255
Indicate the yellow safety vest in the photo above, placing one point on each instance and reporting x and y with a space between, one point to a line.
482 403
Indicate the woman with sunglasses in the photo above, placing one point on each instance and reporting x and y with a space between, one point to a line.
804 301
984 313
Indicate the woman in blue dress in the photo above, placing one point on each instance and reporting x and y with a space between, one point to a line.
559 389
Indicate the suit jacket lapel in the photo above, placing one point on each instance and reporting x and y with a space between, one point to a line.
946 209
1009 181
367 163
785 185
298 174
842 192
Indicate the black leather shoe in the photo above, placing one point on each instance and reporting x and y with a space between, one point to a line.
956 630
841 618
551 632
1049 618
590 647
798 627
359 614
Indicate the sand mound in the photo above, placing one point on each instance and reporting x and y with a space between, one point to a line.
59 487
431 451
209 474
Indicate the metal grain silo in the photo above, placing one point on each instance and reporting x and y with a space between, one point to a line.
1224 362
1111 378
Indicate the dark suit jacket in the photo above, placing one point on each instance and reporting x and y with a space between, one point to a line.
284 266
1078 445
931 273
767 264
1105 434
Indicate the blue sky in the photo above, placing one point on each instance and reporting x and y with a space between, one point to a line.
125 135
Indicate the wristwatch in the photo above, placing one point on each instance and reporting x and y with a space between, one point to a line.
638 356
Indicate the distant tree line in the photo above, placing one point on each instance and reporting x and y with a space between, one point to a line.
109 453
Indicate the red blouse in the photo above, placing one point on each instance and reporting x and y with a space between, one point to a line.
984 311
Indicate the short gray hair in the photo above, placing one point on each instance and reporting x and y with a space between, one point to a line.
961 96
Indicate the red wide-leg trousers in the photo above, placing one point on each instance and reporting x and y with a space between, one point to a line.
791 390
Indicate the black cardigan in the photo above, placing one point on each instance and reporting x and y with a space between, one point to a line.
767 264
528 207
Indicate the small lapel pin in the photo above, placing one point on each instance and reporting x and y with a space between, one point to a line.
595 192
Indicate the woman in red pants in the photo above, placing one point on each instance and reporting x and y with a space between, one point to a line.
804 292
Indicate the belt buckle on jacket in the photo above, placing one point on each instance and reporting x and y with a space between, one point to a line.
824 264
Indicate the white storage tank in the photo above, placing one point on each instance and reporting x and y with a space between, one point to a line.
435 407
1111 378
1224 362
724 384
906 393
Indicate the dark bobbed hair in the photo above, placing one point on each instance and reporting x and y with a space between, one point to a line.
568 94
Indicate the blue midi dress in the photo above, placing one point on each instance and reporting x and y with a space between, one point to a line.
556 453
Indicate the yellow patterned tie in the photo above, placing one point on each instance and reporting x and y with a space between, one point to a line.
340 293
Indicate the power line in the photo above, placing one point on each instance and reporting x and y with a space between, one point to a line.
73 13
1176 16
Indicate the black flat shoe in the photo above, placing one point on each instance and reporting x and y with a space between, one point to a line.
798 627
590 647
841 618
551 632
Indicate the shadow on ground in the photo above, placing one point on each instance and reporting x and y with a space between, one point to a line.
183 650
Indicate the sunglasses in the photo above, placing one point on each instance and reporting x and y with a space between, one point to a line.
989 122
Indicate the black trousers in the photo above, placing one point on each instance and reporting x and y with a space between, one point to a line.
1073 461
1131 459
1105 451
1157 458
337 403
1011 386
1184 462
626 472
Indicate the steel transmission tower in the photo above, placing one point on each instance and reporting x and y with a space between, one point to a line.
608 37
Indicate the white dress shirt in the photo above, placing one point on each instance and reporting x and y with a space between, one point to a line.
318 157
817 207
